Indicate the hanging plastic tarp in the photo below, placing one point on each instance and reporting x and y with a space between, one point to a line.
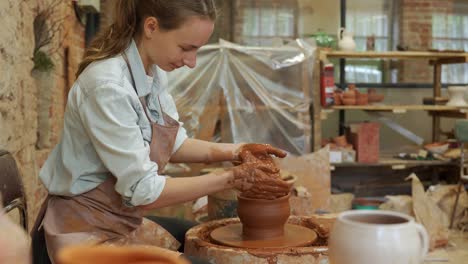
248 94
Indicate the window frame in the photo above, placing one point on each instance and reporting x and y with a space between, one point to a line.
276 5
342 62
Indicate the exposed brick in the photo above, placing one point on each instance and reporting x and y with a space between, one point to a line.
416 32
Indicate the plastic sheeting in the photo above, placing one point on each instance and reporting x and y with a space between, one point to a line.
248 94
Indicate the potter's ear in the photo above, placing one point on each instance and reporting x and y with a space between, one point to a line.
150 26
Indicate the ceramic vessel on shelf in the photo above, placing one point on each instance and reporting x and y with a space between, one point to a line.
362 99
337 98
263 219
437 147
373 236
348 101
340 141
457 96
345 40
373 96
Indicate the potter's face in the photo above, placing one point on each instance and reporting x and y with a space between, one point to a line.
176 48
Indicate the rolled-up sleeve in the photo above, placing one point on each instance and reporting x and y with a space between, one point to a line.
110 120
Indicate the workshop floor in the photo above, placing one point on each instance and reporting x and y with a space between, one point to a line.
455 253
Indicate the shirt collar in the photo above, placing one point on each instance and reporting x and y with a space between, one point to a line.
138 70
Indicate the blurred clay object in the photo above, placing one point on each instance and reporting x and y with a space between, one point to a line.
337 98
340 141
361 99
373 96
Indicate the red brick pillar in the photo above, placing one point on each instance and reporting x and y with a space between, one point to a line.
416 33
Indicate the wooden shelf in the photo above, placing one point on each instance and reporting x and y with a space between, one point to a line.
402 108
458 57
435 59
396 164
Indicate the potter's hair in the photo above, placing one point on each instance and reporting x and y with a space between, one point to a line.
129 17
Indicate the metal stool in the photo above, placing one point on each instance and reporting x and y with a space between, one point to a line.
461 133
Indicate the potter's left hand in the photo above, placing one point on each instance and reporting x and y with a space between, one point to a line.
259 151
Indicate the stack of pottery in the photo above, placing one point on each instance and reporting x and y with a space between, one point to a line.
349 96
353 97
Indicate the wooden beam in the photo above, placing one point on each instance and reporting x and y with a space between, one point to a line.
397 55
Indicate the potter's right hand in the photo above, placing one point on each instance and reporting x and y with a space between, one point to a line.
258 179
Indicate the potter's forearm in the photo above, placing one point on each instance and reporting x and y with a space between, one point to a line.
194 150
179 190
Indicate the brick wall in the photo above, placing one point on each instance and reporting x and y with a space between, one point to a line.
18 91
32 103
416 33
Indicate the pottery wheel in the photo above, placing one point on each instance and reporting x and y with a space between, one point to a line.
294 236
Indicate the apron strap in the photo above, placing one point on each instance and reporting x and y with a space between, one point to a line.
142 99
40 216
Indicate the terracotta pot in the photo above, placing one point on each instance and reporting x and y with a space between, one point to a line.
384 237
340 141
349 101
374 97
348 94
118 255
362 99
371 91
263 219
337 98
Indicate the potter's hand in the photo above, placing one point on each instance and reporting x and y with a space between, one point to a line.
258 178
265 186
259 151
244 174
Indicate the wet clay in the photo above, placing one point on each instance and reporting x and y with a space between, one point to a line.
266 182
294 236
200 243
263 219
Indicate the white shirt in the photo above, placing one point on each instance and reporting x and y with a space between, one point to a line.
106 131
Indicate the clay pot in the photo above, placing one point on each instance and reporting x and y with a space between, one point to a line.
384 237
263 219
340 141
349 94
374 97
349 101
362 99
118 255
337 98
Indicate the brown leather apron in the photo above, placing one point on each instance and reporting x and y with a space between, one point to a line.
100 216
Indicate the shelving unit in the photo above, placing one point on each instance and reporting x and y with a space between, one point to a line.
435 59
396 164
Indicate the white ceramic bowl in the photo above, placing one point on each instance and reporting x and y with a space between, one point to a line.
437 148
